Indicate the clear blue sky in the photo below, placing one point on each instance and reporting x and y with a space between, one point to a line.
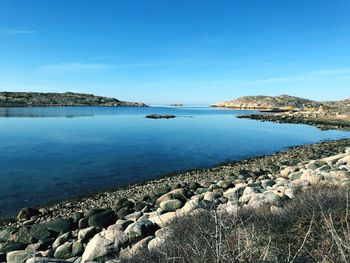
165 51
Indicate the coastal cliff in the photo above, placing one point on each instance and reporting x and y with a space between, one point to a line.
25 99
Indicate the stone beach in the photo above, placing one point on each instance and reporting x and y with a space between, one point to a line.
117 224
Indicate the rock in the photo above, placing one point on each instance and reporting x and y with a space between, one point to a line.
102 245
311 176
141 206
26 213
103 220
77 216
124 211
139 248
164 219
313 165
233 194
191 205
23 235
19 256
119 203
274 168
288 170
224 184
94 211
123 224
211 196
6 234
140 230
160 116
83 223
41 245
61 240
163 233
295 175
259 200
64 251
45 260
202 190
193 186
59 225
134 216
161 190
77 249
250 190
31 234
289 192
12 246
171 205
267 183
174 194
86 234
155 244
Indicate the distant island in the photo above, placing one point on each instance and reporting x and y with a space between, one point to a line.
268 102
176 105
290 109
28 99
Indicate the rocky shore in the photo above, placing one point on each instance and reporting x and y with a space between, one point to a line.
26 99
116 225
321 121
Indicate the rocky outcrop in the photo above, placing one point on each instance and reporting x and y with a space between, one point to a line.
160 116
269 102
24 99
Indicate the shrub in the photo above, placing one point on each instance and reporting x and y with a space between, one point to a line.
312 227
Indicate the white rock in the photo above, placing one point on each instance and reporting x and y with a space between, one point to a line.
102 244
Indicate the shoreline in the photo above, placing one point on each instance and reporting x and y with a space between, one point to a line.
320 122
222 171
138 219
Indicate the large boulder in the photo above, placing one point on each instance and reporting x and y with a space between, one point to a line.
105 244
171 205
64 251
62 239
138 249
46 260
103 220
19 256
7 233
31 234
233 194
13 246
174 194
140 230
86 234
164 219
60 225
26 213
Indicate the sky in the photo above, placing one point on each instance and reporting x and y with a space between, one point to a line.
185 51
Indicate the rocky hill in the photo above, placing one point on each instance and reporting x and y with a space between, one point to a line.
24 99
269 102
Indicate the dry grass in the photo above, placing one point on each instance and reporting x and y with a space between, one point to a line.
313 227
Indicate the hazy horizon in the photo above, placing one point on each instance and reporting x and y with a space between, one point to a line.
161 52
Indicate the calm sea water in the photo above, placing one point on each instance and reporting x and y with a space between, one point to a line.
49 154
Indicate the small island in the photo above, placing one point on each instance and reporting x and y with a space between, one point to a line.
31 99
176 105
160 116
290 109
